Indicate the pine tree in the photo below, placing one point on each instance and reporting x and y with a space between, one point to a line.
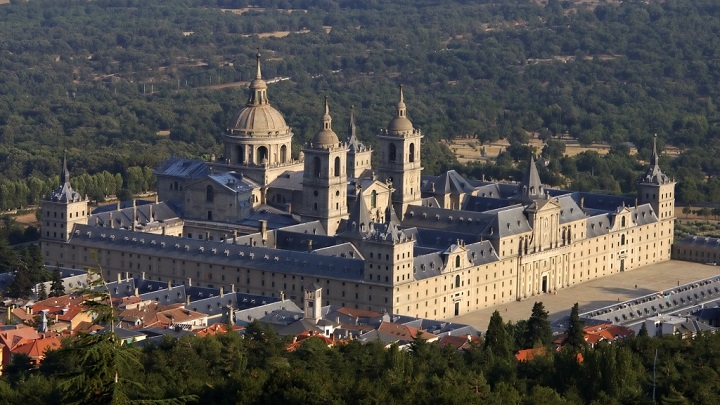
57 288
574 336
42 292
21 286
538 327
497 339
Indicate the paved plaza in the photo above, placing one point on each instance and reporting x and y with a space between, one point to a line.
597 293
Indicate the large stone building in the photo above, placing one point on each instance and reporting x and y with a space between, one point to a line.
263 222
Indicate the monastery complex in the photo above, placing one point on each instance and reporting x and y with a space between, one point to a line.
326 228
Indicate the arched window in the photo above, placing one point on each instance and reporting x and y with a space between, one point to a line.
457 281
622 240
623 222
337 166
316 166
283 154
262 154
209 194
412 152
393 152
373 199
457 261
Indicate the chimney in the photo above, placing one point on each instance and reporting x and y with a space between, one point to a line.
127 275
150 214
134 214
282 295
57 318
119 277
309 245
110 219
189 282
169 285
118 205
207 235
137 292
142 275
234 237
263 229
187 299
222 292
232 288
156 199
97 221
582 203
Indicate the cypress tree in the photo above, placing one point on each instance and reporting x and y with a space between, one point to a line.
497 339
574 335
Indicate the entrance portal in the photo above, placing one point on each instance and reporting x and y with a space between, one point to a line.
457 308
545 283
622 264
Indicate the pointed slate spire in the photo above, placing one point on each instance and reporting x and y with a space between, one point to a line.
360 220
352 130
65 173
653 174
531 187
654 155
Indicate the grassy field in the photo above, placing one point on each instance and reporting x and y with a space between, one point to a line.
467 150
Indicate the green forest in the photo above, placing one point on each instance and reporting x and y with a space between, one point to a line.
108 80
256 368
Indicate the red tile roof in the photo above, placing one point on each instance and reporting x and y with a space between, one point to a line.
530 354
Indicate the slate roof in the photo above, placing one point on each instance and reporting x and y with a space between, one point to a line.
482 204
288 180
223 254
431 264
146 214
449 182
183 168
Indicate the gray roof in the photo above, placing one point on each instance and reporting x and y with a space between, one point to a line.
481 204
260 258
288 180
183 168
233 182
432 264
145 215
285 311
449 182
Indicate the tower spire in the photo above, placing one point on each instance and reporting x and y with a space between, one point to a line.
401 109
65 173
327 119
352 123
258 75
258 87
654 155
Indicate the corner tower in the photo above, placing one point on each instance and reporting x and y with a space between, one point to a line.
400 162
62 209
657 189
325 177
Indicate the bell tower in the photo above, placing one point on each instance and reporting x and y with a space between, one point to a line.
400 162
325 177
62 209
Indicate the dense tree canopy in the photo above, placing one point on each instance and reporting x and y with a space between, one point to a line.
108 80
